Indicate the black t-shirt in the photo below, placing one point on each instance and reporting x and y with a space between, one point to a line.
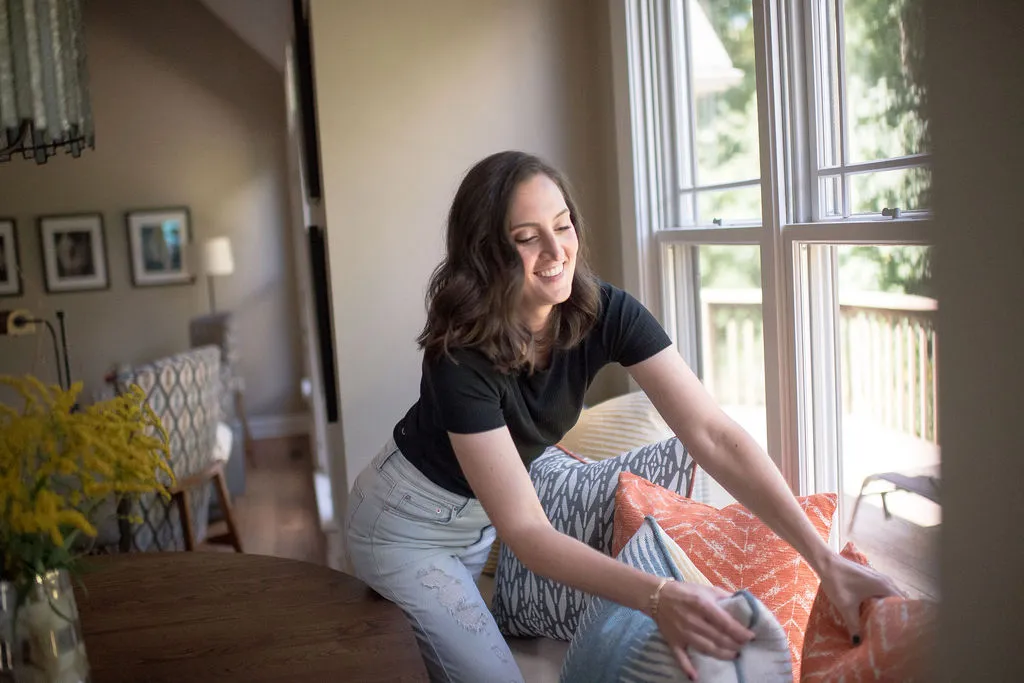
468 395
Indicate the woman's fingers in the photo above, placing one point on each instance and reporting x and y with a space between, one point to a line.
679 652
706 646
720 593
722 621
723 641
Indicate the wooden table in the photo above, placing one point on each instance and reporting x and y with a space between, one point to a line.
196 617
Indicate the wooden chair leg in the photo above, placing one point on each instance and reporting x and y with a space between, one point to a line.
225 505
185 513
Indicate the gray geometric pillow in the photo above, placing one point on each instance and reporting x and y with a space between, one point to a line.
579 499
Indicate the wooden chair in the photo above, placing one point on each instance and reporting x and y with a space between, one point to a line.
184 390
180 495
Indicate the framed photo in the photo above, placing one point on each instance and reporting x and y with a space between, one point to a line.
158 242
10 271
74 252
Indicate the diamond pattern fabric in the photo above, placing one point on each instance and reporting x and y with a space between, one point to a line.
185 392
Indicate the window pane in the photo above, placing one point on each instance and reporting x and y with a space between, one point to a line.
884 58
721 39
735 205
889 390
732 345
831 197
906 188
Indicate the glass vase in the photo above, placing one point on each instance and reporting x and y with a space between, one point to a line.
40 635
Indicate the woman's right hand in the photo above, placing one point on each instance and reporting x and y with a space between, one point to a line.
690 616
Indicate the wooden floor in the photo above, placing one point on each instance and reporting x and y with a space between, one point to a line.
277 514
904 551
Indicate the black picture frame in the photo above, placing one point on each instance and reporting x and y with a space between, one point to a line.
77 269
158 246
11 284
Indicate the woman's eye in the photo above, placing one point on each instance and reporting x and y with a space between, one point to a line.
564 228
526 240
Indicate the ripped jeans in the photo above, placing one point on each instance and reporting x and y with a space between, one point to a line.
423 548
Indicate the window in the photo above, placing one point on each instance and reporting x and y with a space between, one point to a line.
716 113
781 183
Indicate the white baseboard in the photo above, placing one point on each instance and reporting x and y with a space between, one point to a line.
277 426
324 501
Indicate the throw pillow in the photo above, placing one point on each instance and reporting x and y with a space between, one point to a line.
733 548
616 426
894 635
579 498
608 429
615 643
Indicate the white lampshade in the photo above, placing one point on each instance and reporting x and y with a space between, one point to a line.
217 258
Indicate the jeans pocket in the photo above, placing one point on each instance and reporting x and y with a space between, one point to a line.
417 506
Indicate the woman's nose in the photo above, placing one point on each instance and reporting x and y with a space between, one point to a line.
551 246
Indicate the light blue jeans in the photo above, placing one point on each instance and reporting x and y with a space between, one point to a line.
423 548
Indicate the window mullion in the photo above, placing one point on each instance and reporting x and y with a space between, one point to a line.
799 113
691 108
683 205
844 127
777 307
823 356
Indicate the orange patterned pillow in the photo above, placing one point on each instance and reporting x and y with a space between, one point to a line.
732 547
894 632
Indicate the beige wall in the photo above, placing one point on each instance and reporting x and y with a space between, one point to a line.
410 95
976 98
186 114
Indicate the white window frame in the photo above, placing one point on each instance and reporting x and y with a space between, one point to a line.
799 301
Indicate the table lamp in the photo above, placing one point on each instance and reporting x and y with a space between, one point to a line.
217 261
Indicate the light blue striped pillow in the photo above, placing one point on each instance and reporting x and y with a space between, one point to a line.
615 644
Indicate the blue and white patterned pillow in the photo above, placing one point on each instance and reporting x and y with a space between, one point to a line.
579 499
615 644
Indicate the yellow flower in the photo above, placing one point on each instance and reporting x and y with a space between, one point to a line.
57 462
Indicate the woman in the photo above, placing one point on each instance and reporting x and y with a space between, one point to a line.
517 327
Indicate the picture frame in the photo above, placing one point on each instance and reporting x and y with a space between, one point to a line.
10 264
74 252
158 241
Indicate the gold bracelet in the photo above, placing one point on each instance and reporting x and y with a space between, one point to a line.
656 597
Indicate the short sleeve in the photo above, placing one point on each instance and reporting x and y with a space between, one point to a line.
466 393
629 331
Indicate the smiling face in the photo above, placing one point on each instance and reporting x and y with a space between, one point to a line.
546 240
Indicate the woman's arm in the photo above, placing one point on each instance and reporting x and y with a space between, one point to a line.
728 453
688 614
732 457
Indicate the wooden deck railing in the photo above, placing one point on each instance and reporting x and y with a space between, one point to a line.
888 355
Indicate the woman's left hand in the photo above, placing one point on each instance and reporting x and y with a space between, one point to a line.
849 584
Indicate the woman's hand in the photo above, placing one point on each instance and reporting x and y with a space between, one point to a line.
848 584
690 616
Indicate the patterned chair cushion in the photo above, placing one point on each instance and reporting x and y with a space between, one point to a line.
615 644
185 392
579 499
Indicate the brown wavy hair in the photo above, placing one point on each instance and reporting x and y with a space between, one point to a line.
474 293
